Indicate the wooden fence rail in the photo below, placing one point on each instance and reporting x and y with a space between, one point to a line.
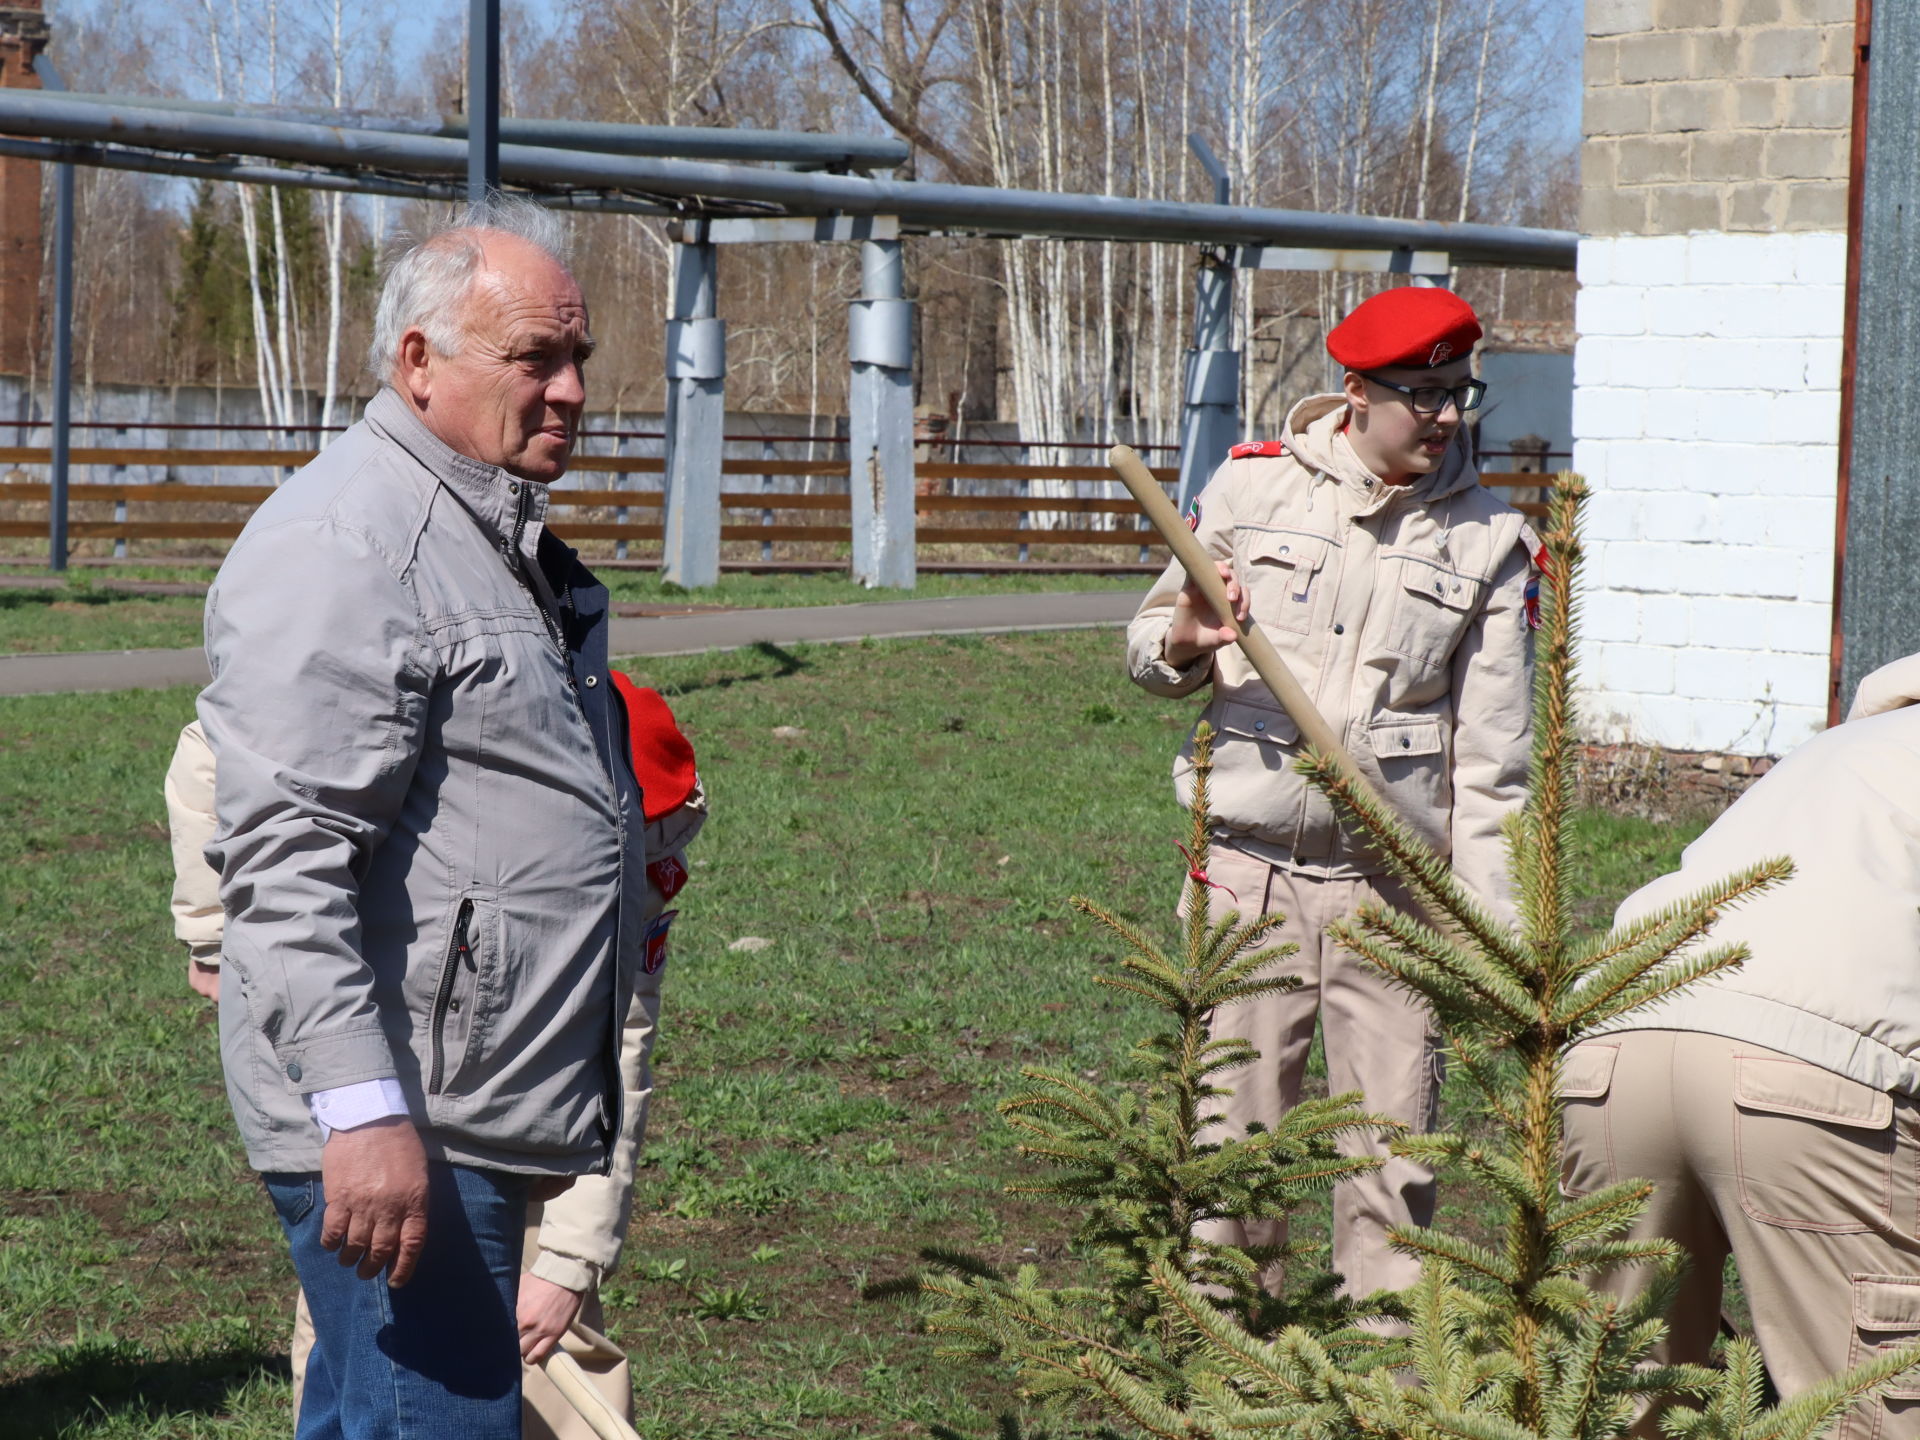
768 503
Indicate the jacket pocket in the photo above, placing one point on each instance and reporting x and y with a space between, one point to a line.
1814 1150
1886 1317
1412 765
1253 789
1406 737
1429 609
1256 723
459 1018
1280 576
1586 1156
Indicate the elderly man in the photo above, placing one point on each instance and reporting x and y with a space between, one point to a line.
1776 1107
429 840
1397 589
574 1239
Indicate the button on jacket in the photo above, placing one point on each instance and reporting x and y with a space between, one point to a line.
1402 611
425 812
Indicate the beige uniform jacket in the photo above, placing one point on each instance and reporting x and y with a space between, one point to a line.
580 1230
1402 611
1834 974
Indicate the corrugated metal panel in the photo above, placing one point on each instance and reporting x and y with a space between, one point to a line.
1880 583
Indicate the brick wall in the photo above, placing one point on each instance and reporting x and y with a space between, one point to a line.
23 34
1706 410
1725 115
1707 365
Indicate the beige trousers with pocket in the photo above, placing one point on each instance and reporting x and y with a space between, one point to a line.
1810 1180
1379 1041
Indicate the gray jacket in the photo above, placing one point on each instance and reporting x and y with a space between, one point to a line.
426 810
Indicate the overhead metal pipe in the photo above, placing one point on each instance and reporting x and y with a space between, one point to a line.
686 142
66 152
922 207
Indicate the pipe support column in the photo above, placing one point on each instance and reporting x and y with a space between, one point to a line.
696 419
1210 408
880 421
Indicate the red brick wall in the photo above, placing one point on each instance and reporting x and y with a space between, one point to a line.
23 35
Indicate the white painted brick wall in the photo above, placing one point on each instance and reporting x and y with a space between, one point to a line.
1706 418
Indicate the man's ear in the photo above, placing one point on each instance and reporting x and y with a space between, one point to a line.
412 370
1356 392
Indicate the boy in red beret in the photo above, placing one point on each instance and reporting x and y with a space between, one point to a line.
1397 590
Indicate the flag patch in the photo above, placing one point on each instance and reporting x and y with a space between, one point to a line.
1533 588
654 948
1193 513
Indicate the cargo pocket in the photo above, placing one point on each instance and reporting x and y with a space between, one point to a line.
1886 1317
1814 1149
1281 570
1586 1154
1430 608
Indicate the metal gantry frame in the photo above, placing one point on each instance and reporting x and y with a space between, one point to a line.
787 196
61 381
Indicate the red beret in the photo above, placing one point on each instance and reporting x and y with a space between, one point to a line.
1419 326
662 756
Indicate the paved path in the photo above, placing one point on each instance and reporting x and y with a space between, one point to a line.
654 635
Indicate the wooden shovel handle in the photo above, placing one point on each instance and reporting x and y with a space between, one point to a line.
1201 569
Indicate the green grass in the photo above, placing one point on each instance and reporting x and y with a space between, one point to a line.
82 616
825 1104
775 591
79 617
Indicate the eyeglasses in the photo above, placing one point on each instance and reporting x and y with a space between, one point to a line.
1432 399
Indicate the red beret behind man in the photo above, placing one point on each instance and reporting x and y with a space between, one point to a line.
1419 326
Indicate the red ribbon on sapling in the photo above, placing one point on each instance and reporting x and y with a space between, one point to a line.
1195 873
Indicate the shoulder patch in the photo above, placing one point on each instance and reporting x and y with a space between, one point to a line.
1271 448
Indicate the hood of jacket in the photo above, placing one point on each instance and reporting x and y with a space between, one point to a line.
1315 432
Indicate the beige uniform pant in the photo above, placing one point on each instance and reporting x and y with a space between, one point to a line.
545 1413
1379 1041
1810 1180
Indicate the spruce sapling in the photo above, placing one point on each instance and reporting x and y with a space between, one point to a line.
1510 1340
1133 1161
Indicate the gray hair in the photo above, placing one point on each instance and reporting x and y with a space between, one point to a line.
427 283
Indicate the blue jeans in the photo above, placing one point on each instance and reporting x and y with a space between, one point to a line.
439 1357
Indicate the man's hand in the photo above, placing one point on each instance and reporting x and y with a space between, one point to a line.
204 979
545 1312
375 1176
1196 630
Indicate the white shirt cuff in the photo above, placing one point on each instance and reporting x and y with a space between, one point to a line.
347 1107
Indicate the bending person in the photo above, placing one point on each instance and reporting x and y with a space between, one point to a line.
1776 1107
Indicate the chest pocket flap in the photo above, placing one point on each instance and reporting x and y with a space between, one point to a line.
1443 587
1256 722
1403 738
1300 552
